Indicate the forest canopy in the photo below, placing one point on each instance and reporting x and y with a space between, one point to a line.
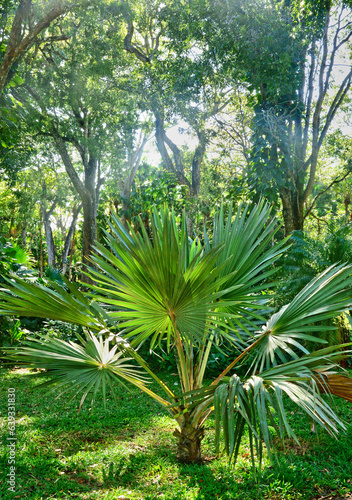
120 106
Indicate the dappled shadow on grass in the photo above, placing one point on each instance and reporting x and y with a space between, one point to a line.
150 471
130 452
49 408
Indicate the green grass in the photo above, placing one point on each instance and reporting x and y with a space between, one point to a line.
129 453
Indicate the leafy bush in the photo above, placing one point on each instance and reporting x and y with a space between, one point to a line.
13 259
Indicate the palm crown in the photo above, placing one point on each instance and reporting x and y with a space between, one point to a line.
171 289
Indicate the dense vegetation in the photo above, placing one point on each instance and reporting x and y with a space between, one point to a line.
175 200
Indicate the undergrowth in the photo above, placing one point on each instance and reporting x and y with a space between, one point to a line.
128 452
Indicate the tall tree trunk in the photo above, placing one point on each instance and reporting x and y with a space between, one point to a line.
298 209
72 251
24 234
41 262
125 205
292 211
189 441
68 239
50 247
89 202
174 165
197 161
89 229
287 211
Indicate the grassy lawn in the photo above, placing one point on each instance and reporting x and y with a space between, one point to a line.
129 453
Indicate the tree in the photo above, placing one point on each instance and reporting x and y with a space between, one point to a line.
56 194
296 130
287 56
186 296
79 97
178 85
40 196
125 183
20 27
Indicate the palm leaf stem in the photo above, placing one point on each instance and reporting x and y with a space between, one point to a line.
181 363
189 354
164 402
203 360
235 361
202 412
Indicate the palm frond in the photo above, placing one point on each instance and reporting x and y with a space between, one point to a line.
247 245
257 403
155 287
283 337
68 304
336 384
160 287
247 260
86 367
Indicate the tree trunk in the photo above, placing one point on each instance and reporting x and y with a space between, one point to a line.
292 211
125 205
41 264
50 247
24 234
287 211
89 203
189 441
68 239
174 165
197 161
89 230
298 220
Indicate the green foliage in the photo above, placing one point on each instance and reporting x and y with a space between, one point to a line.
155 188
81 363
172 291
62 453
307 256
13 259
152 189
12 332
61 330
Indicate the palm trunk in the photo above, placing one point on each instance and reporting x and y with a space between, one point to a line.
189 440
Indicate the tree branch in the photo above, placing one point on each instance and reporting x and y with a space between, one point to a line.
130 47
70 169
335 181
18 43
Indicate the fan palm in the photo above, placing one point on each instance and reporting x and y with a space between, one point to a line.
187 295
